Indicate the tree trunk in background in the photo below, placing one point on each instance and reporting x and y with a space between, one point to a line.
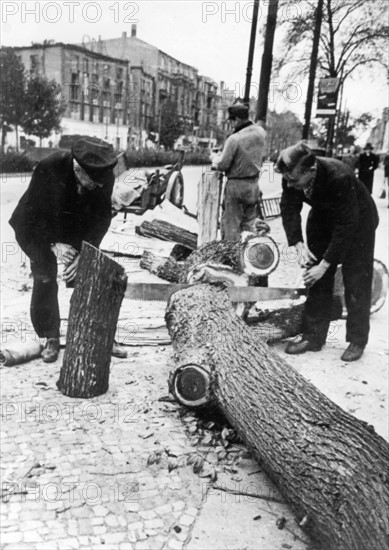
94 312
208 206
332 467
165 231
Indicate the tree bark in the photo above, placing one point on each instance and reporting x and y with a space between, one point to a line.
332 467
167 232
93 315
165 268
208 205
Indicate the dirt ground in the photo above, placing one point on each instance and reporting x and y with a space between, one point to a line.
212 518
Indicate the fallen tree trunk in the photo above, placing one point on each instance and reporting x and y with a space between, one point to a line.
332 467
165 268
166 231
93 315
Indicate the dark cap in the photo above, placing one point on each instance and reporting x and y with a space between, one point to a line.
96 157
239 110
291 156
368 146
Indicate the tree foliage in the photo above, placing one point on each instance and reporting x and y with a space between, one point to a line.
43 107
283 129
12 80
353 35
171 125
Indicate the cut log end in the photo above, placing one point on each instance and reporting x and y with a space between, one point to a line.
191 386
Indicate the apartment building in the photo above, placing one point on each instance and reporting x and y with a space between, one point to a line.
95 88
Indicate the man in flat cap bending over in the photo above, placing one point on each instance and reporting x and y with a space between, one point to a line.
340 230
241 160
68 201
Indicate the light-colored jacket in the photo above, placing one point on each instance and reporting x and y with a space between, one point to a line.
243 152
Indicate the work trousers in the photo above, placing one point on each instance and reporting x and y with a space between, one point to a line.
44 308
239 207
357 271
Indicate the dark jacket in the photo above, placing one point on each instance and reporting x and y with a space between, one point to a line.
52 211
367 163
340 204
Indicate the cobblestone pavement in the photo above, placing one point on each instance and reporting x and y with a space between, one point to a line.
74 472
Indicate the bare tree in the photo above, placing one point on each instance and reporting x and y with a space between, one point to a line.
353 36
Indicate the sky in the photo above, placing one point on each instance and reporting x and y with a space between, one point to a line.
213 36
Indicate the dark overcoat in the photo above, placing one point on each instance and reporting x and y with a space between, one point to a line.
51 210
342 211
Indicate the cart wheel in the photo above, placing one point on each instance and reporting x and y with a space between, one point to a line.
175 189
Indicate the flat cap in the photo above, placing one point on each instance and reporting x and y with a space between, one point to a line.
96 157
239 110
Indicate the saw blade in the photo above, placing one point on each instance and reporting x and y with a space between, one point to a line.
162 292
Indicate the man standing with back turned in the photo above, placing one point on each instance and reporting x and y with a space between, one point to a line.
241 160
340 230
68 201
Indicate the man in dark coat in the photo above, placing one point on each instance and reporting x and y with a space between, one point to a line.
367 163
340 230
68 201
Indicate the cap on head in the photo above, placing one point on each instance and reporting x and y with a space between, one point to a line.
368 146
239 110
96 157
291 156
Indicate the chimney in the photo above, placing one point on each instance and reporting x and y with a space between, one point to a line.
133 30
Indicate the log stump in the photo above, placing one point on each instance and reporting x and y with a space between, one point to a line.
330 466
93 315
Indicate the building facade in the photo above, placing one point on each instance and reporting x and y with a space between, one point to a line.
116 90
94 88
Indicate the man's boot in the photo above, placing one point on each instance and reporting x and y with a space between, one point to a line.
352 353
51 350
118 351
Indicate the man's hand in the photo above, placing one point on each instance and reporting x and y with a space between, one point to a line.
71 271
315 273
64 253
214 166
305 257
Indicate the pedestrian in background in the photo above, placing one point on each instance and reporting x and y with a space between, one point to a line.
241 160
385 184
367 164
68 201
340 230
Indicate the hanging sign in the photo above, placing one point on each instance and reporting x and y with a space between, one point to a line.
327 96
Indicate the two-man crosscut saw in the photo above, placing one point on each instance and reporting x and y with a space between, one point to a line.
162 292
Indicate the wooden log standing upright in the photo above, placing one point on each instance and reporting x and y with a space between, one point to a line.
208 206
331 467
94 312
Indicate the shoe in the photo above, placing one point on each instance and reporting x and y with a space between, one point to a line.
118 351
352 353
294 348
51 350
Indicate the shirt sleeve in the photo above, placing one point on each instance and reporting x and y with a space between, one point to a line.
227 156
346 219
291 206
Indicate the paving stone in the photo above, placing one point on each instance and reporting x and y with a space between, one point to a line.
115 538
99 530
178 505
97 521
100 510
175 544
31 536
191 511
154 523
165 509
186 520
126 546
147 514
111 520
132 506
9 538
